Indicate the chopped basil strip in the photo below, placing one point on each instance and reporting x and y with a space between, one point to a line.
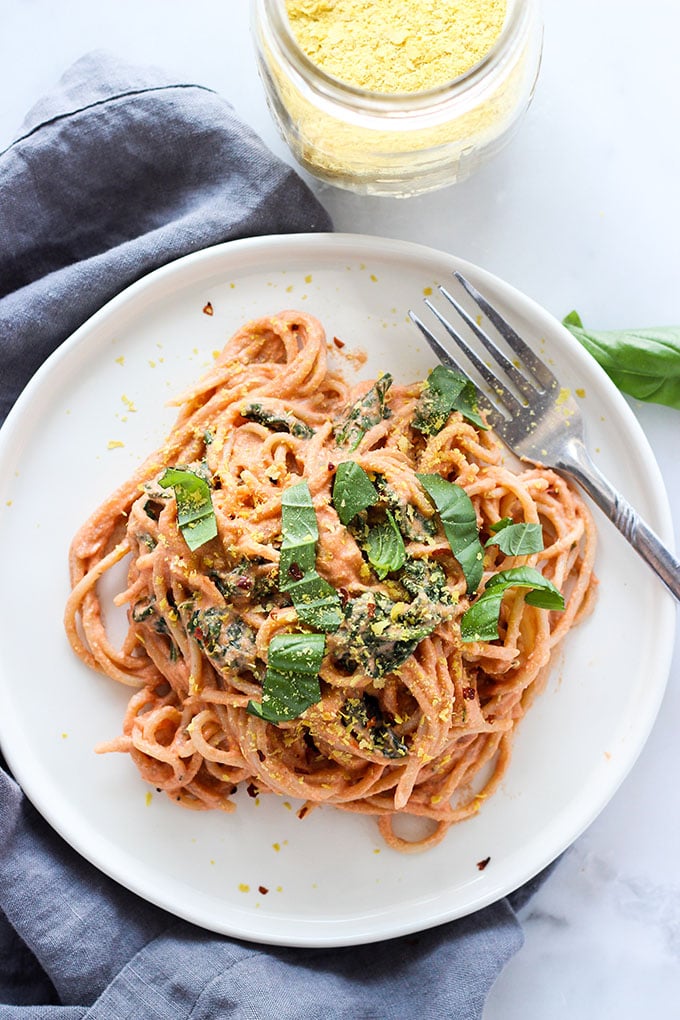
195 514
445 391
517 539
385 547
316 602
480 621
277 421
300 535
365 413
459 521
291 682
353 491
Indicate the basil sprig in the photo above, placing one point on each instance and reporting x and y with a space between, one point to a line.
480 621
445 391
516 539
644 363
291 681
316 602
459 521
353 491
195 513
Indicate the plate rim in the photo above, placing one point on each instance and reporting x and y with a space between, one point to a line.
357 245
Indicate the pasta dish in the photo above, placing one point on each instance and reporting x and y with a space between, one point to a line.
337 594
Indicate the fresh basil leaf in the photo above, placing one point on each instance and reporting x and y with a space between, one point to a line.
353 491
445 391
518 539
459 520
291 682
195 513
365 413
499 525
480 621
316 602
644 363
385 547
300 535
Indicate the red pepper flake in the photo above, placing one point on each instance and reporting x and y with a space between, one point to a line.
344 596
469 693
252 790
331 467
244 583
303 811
260 754
294 326
338 342
370 610
482 864
208 308
296 571
262 889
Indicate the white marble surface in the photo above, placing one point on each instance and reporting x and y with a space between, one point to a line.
583 209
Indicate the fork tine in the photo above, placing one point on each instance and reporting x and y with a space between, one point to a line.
499 392
538 368
520 381
495 416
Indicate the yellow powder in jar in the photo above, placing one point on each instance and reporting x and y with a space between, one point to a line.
394 46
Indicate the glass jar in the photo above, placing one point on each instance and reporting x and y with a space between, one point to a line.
397 144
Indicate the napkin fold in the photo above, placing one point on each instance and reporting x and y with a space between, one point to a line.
119 170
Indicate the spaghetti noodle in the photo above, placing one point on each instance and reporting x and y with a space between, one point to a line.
409 718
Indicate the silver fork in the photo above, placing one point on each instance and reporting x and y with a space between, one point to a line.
526 405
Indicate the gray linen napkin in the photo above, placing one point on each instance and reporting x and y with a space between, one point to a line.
118 171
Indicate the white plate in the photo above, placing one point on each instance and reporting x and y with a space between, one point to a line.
329 879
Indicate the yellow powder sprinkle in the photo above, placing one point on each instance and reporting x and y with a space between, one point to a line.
243 887
394 46
113 444
148 798
120 360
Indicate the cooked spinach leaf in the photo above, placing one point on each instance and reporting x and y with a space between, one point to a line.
353 491
195 513
291 682
480 621
277 421
459 521
445 391
224 636
364 718
517 539
414 525
364 414
426 576
377 634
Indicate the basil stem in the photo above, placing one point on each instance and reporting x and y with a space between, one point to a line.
291 681
644 363
195 514
353 491
516 539
445 391
480 621
459 521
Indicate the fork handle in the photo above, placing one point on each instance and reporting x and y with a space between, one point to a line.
578 465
